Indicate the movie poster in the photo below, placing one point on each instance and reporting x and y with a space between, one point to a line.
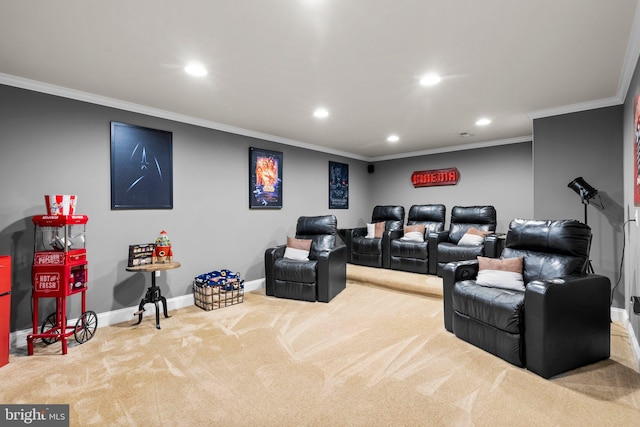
265 179
141 167
338 185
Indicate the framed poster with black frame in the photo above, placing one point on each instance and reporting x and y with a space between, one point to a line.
265 179
141 167
338 185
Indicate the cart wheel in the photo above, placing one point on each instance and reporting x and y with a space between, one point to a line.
86 327
50 325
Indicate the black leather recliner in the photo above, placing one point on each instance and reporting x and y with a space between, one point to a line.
559 322
444 247
373 252
322 276
413 256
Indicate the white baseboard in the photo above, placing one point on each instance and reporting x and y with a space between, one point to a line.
620 315
19 338
254 285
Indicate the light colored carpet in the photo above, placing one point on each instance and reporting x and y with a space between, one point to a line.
423 284
372 357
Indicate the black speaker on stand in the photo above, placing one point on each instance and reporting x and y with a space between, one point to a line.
370 168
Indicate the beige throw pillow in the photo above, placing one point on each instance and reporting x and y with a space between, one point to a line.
470 240
482 233
473 237
413 233
504 273
379 229
417 227
297 249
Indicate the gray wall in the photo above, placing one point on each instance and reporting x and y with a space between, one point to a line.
500 176
50 144
54 145
57 145
587 144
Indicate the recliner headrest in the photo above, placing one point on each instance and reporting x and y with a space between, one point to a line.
473 215
387 213
565 236
314 225
427 213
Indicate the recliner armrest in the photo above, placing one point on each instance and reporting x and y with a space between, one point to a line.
348 234
567 321
394 234
357 232
442 236
454 272
386 245
332 273
270 256
493 245
432 248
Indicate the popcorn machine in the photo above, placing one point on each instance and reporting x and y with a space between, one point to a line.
60 271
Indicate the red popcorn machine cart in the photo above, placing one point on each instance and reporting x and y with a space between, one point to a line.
60 271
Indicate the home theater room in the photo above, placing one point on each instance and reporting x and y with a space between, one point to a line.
320 213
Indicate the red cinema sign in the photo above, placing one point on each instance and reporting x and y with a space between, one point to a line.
435 177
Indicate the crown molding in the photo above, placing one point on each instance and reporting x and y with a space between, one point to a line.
574 108
473 146
77 95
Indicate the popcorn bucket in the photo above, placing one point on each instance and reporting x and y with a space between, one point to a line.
60 204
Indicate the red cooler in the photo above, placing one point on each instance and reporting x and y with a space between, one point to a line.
5 308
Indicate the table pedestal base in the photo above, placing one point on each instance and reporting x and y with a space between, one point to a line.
153 296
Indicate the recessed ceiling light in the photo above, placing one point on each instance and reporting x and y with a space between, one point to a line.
430 79
483 122
393 138
195 70
321 113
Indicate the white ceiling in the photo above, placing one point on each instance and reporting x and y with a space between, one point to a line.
271 62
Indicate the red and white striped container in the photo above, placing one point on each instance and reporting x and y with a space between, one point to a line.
60 204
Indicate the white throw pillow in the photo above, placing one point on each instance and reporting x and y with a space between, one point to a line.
371 231
413 236
501 279
471 240
296 254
